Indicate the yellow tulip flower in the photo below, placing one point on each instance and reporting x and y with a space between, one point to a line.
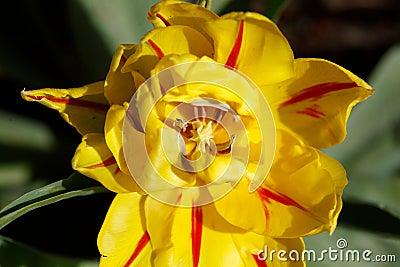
309 100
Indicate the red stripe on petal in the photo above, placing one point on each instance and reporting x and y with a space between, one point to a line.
197 228
317 91
312 112
156 48
144 240
73 102
259 262
108 162
117 170
164 20
123 59
268 195
179 199
233 56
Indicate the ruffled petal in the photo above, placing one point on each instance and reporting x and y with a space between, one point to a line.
301 192
242 208
159 166
164 41
252 44
338 174
113 134
94 159
196 236
123 239
317 102
167 13
259 250
119 87
84 107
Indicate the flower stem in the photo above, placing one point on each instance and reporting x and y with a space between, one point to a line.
205 3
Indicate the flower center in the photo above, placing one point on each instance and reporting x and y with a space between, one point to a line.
203 136
197 129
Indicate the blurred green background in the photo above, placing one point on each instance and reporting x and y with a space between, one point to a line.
69 43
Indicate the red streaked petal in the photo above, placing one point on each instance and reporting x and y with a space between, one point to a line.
156 48
259 262
84 107
100 107
164 20
94 159
144 240
108 162
197 227
332 88
317 91
268 195
233 56
313 111
123 59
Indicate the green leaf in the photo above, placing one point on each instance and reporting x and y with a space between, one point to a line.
13 254
74 186
369 217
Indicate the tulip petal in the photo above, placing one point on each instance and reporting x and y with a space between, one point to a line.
164 41
242 208
123 239
252 44
258 250
338 174
84 107
190 236
113 134
119 87
317 102
94 159
159 165
167 13
300 193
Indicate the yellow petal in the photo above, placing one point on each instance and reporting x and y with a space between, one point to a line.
119 87
169 13
123 239
263 250
338 175
252 44
113 134
84 107
317 102
172 60
94 159
300 193
196 236
160 166
164 41
292 257
243 209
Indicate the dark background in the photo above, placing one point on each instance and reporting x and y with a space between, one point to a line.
41 47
